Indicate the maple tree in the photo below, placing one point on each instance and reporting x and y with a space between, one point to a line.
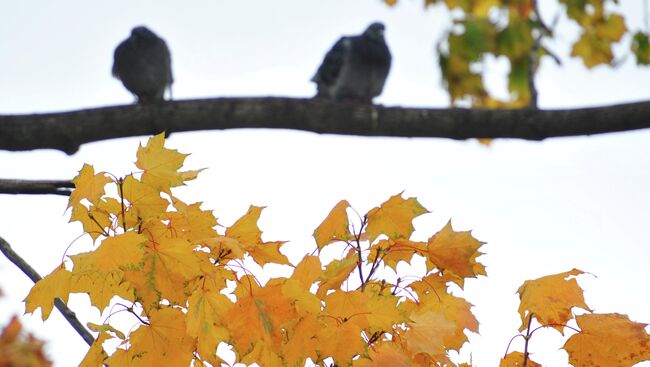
516 30
188 286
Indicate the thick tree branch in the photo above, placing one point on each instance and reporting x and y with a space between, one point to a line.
66 131
69 315
35 187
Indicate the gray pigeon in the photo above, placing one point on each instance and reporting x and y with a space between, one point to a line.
143 63
356 68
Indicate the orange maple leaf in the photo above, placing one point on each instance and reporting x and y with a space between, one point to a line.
608 340
394 218
18 349
550 299
163 342
335 227
259 316
427 331
340 340
516 359
385 354
455 252
302 341
307 271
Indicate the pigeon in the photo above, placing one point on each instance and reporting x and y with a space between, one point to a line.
143 63
356 67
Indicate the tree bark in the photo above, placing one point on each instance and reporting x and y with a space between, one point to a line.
66 131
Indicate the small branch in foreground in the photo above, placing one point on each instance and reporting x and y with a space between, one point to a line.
67 131
69 315
36 187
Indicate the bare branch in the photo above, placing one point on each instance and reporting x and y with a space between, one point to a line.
69 315
35 187
66 131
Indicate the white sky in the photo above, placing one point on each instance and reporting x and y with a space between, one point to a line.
543 208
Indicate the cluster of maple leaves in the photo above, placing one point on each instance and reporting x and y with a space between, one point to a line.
513 29
20 349
187 289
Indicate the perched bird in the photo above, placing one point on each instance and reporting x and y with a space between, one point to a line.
356 68
143 63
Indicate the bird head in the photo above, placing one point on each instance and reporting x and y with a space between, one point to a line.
375 31
142 33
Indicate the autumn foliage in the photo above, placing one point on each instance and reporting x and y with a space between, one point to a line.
186 282
20 349
517 31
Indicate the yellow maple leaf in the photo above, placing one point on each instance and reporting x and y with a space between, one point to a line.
101 286
105 328
144 201
54 285
383 312
550 299
249 236
161 165
190 221
245 229
205 313
608 340
96 354
394 218
268 252
123 250
304 301
88 185
336 273
163 342
455 252
516 359
335 227
224 248
394 251
307 271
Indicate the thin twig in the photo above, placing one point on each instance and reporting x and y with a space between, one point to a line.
527 339
35 277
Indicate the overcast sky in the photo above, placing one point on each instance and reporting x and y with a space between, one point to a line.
542 208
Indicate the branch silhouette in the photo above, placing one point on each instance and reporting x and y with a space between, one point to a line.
67 131
36 187
67 313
